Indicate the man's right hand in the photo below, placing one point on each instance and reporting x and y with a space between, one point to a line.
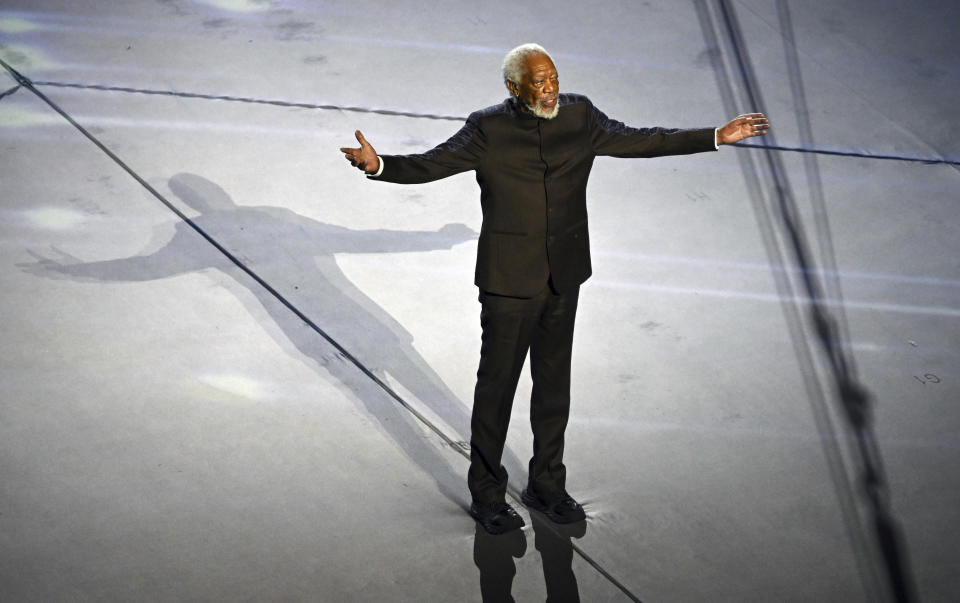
364 158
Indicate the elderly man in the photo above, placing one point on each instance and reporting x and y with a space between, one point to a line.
532 156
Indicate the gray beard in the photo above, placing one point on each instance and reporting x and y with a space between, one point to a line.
539 112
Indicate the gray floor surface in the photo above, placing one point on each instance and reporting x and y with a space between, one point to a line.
170 430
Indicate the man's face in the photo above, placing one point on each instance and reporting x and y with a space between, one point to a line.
539 87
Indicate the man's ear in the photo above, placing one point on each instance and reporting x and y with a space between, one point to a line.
512 87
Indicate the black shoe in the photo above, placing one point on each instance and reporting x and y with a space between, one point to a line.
496 517
558 506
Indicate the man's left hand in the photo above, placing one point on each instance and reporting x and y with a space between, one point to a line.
743 126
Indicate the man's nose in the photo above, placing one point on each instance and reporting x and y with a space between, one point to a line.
551 86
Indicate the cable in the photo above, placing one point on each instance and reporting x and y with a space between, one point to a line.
247 99
415 115
774 147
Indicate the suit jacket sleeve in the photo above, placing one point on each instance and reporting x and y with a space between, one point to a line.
613 138
461 152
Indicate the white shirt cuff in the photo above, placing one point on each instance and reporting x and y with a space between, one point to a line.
379 170
716 143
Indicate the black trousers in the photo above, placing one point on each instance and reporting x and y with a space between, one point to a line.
542 325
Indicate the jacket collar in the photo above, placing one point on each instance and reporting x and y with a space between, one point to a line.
515 109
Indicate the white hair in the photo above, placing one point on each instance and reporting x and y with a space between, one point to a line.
514 62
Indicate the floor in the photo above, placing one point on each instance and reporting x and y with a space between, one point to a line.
235 370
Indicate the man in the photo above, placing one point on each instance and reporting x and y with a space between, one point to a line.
532 156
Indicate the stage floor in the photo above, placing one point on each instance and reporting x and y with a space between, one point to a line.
248 374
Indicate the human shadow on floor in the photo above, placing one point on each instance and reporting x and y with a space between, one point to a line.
553 541
296 255
494 557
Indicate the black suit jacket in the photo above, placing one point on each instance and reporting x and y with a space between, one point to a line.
533 175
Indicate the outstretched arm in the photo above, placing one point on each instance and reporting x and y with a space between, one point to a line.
461 152
743 126
364 158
